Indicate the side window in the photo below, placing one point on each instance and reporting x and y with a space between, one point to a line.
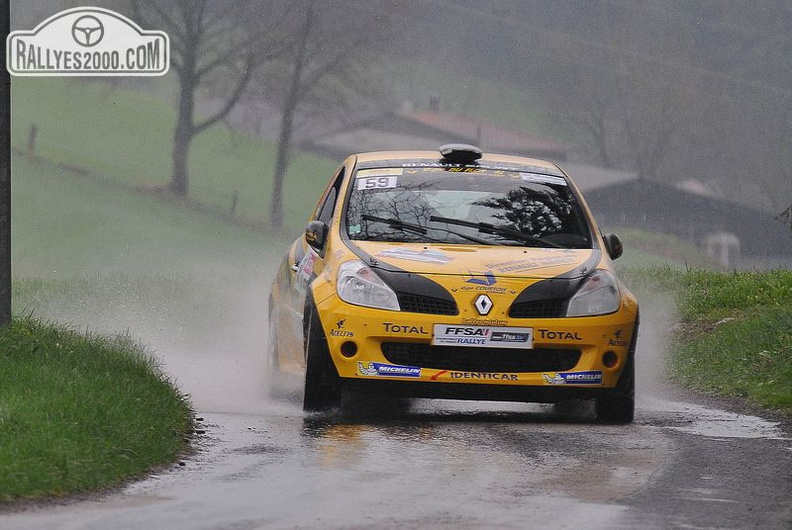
325 211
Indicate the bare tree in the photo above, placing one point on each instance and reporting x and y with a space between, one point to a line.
634 106
210 42
786 217
330 41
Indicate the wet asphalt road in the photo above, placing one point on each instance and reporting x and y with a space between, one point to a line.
444 464
459 465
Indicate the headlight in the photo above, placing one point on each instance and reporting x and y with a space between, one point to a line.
358 284
598 296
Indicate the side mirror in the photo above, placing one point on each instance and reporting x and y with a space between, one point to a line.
613 245
316 234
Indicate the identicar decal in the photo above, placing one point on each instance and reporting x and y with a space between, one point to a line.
486 376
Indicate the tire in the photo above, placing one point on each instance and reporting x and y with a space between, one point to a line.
618 405
322 383
372 404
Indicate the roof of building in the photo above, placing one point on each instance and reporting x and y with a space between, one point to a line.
487 136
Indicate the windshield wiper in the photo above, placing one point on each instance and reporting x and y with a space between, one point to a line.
395 223
488 228
398 223
411 227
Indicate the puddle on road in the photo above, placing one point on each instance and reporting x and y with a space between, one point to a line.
696 419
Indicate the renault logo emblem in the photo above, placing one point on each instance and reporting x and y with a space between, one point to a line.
483 304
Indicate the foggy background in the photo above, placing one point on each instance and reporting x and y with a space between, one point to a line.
693 96
673 90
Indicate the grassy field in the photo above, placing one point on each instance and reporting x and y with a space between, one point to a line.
125 137
65 224
734 336
79 412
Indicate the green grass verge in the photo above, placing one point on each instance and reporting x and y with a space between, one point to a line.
126 137
749 357
80 412
735 332
66 225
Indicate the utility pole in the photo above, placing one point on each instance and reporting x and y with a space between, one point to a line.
5 173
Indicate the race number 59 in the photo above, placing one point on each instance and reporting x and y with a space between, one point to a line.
373 183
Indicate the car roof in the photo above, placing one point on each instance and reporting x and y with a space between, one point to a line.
433 158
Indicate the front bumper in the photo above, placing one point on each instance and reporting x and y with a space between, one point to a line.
580 354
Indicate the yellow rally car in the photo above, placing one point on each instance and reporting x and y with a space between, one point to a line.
455 275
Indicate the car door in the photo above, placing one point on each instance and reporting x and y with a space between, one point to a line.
306 261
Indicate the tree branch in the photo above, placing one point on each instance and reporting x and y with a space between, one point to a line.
235 96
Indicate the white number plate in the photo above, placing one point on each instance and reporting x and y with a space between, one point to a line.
373 183
482 336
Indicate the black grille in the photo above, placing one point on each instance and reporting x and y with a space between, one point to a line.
550 308
479 359
413 303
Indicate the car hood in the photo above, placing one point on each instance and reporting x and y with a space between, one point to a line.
470 260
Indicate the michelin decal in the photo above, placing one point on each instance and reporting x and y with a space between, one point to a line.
389 370
593 377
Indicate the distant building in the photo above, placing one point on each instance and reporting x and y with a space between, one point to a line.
338 135
408 129
735 235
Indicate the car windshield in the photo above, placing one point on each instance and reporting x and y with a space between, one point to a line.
465 205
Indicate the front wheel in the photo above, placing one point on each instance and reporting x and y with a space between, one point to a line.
618 404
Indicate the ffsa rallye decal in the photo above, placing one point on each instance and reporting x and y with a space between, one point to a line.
482 336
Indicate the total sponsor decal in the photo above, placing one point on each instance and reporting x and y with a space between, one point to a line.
573 378
390 327
550 334
389 370
482 336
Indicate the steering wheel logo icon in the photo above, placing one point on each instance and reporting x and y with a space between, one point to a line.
88 31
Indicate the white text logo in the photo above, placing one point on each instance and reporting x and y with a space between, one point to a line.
88 41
